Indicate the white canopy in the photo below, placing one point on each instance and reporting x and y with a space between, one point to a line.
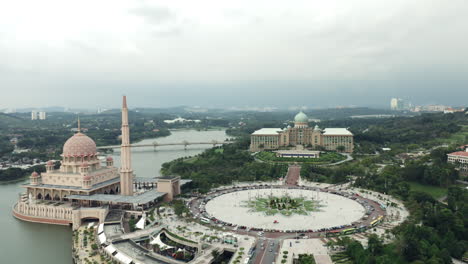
100 228
157 241
123 258
102 238
141 223
110 249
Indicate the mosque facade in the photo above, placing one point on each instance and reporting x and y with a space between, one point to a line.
86 187
332 139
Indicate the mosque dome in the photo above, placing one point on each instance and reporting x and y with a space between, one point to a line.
301 118
109 158
50 163
34 174
79 145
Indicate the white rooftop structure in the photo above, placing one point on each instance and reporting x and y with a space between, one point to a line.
142 222
157 241
123 258
102 238
337 131
267 131
110 249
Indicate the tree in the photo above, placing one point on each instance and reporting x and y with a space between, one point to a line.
341 148
375 245
179 207
215 253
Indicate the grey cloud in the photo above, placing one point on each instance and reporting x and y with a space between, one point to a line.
154 15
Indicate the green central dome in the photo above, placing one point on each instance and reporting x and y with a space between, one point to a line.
301 118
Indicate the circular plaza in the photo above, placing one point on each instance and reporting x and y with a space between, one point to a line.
284 209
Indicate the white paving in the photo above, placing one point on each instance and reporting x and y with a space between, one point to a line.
337 210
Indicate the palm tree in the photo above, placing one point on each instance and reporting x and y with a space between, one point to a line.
215 253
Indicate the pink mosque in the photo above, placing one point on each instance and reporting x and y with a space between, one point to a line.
84 187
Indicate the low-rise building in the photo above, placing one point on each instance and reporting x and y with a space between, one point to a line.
293 153
460 159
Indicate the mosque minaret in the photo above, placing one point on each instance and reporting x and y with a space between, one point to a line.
126 172
84 186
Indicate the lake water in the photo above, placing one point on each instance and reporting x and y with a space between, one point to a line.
24 243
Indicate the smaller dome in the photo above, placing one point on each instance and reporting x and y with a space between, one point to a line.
109 158
301 118
87 178
50 163
34 174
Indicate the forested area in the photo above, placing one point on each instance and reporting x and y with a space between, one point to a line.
17 173
223 165
435 233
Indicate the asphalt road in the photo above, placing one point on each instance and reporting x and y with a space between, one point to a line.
266 256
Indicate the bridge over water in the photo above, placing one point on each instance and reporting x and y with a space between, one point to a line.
183 143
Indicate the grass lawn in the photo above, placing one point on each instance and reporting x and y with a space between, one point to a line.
219 150
434 191
458 137
191 160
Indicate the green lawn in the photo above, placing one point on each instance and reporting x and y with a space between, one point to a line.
434 191
219 150
459 137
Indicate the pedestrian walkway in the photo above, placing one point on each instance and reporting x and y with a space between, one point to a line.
294 172
315 247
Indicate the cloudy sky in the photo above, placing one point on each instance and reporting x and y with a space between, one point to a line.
232 53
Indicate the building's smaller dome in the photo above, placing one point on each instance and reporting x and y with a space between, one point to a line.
87 178
50 163
34 174
301 118
109 158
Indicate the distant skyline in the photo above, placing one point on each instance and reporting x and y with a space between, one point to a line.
213 53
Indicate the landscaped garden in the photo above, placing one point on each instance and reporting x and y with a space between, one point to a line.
285 205
325 157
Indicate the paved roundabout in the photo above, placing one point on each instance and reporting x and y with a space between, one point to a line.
285 209
328 210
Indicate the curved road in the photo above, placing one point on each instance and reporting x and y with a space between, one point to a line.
265 255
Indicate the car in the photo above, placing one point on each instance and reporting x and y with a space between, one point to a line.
272 243
271 249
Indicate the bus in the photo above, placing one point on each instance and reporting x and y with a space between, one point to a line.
376 221
348 231
333 233
361 228
205 220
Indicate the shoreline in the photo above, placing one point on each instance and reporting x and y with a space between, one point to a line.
24 177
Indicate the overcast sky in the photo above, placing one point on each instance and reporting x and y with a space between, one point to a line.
232 53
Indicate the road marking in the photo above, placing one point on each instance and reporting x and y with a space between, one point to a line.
264 250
